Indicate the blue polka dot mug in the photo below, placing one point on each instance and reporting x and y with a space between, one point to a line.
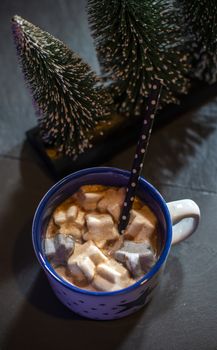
176 220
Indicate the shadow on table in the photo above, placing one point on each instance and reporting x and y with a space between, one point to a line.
174 147
26 183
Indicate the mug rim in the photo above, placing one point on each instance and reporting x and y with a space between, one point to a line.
45 199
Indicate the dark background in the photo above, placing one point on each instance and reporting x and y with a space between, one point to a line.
181 163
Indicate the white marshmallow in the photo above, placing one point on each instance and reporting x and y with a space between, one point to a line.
111 276
89 200
100 228
100 244
87 266
80 219
76 271
71 212
59 217
141 226
112 202
96 255
81 267
49 247
108 273
69 228
102 284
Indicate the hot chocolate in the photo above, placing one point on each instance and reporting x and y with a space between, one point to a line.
84 246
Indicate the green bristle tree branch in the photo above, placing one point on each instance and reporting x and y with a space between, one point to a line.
67 95
138 41
200 20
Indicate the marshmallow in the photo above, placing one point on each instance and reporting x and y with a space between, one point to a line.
71 212
49 247
108 273
141 226
112 202
102 284
100 228
80 219
59 217
112 271
81 267
62 214
88 200
74 224
58 248
87 266
111 276
69 228
137 257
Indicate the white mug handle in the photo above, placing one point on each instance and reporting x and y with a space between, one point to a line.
185 217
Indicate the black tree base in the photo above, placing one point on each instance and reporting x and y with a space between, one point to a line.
121 133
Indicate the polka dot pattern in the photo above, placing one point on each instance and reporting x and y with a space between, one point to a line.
141 149
100 308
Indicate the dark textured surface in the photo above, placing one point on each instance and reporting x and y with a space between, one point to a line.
121 133
181 162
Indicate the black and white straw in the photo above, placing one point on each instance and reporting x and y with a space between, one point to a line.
141 149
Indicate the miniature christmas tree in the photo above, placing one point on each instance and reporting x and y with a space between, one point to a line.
138 41
66 93
200 18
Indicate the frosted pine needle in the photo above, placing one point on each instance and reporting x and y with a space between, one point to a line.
139 41
200 20
66 93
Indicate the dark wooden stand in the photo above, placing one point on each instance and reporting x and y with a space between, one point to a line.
121 133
